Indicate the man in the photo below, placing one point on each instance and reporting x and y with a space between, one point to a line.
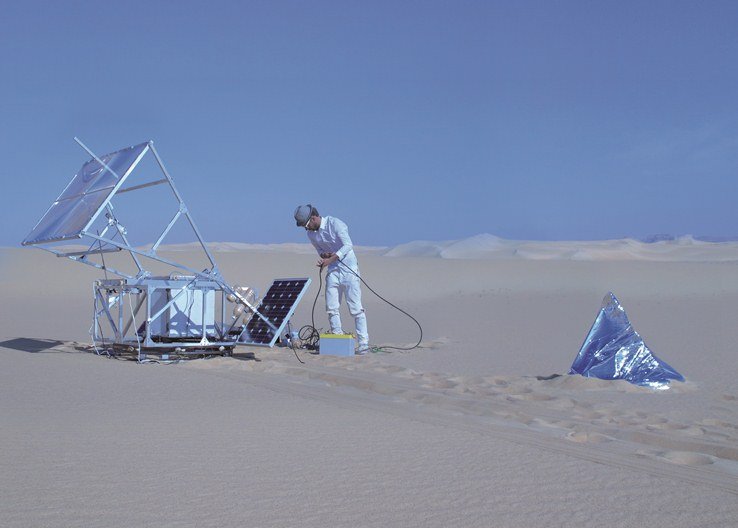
331 239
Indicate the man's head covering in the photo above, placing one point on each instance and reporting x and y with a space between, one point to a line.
303 214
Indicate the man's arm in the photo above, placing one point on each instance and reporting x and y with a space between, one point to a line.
343 235
322 261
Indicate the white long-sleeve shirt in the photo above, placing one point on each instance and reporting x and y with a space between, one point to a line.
332 237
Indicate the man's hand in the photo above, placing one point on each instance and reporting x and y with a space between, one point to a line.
326 259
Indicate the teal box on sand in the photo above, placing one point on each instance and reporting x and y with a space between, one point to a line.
337 344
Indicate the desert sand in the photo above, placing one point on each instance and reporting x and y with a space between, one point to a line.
479 426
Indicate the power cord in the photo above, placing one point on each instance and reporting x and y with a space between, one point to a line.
310 337
379 349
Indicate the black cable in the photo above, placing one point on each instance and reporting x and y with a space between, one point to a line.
308 334
320 287
292 346
310 337
420 339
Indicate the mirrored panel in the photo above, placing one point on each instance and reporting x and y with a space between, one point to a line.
83 197
94 177
65 219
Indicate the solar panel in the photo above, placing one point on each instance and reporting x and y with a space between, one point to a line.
277 306
84 196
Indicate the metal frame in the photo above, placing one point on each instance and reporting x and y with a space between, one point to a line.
120 303
128 333
98 239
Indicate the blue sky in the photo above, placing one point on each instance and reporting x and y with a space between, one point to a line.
409 120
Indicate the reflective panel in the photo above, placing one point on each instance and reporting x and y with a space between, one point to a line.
84 195
614 350
65 220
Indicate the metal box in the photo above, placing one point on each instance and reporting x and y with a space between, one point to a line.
184 316
337 344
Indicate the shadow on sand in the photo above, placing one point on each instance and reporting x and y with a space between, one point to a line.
51 346
35 346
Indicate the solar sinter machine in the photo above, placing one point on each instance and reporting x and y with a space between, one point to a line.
186 313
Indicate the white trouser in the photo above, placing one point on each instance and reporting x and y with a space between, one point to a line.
341 283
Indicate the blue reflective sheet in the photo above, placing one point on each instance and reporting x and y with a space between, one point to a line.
65 219
614 350
83 196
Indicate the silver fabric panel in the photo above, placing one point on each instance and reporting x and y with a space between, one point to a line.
614 350
83 196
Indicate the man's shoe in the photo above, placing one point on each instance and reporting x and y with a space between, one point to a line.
362 350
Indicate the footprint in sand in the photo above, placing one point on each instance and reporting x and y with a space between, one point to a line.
660 427
436 381
515 390
665 425
589 415
497 382
391 369
536 396
582 437
715 435
563 404
682 458
687 458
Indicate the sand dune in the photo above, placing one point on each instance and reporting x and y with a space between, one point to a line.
485 246
480 426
